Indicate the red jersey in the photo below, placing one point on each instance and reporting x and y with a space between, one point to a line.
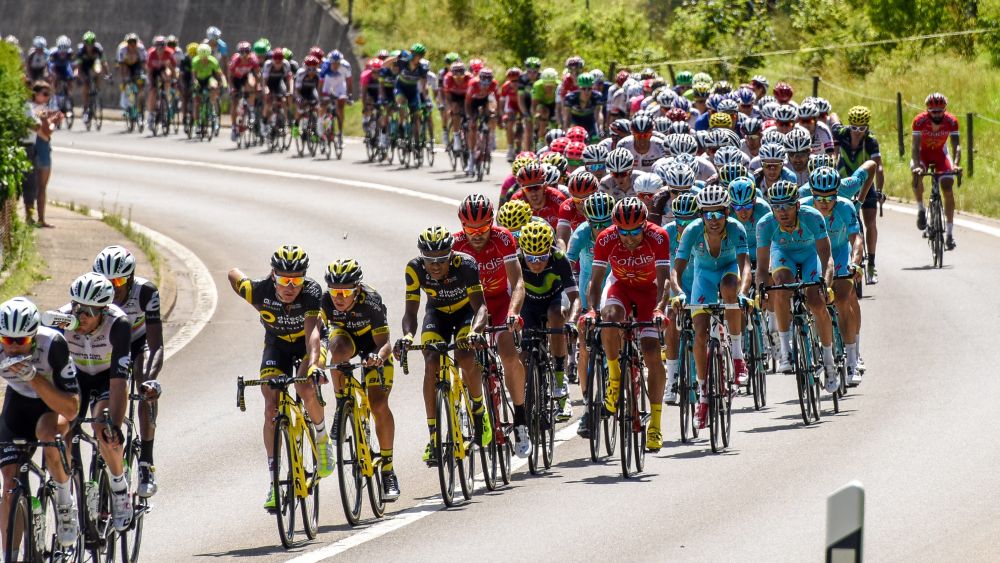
931 140
492 258
477 91
570 215
633 267
550 209
568 85
238 67
456 84
508 93
156 61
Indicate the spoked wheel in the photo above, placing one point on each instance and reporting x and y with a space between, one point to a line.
799 361
547 420
310 465
131 539
467 428
429 141
348 466
532 406
715 397
816 389
726 386
506 421
489 456
103 548
188 121
444 447
20 531
688 391
299 134
449 148
624 411
98 116
758 365
595 397
283 484
338 143
841 387
52 550
375 497
937 235
312 137
640 422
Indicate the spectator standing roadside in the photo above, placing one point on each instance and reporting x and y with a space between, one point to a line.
45 116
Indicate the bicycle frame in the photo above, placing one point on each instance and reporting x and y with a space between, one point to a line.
361 411
450 380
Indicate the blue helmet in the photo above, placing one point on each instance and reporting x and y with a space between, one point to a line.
745 96
824 180
685 205
405 56
598 206
742 191
783 191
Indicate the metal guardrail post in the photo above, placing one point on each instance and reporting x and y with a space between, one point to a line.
845 522
673 79
899 123
815 86
971 143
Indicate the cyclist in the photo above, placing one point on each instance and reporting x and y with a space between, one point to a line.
337 83
130 58
571 212
289 305
752 129
89 62
543 101
410 87
456 83
36 60
160 66
548 276
61 66
511 108
748 208
638 255
495 251
537 186
644 148
186 76
356 318
455 309
213 38
277 78
525 84
244 71
99 346
140 300
684 210
822 137
798 145
207 76
584 107
514 215
618 182
369 89
772 167
858 145
845 244
482 95
792 238
931 129
41 399
306 90
717 244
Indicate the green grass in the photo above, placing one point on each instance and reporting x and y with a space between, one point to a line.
115 219
23 263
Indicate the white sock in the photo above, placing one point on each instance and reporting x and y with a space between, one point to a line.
63 494
702 393
785 339
949 227
672 367
920 205
118 483
852 355
320 432
772 320
828 355
737 347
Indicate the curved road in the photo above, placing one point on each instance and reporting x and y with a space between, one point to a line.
920 433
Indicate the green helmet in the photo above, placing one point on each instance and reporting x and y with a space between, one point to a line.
89 37
585 80
684 205
684 78
288 53
266 42
451 57
533 62
394 53
260 48
418 49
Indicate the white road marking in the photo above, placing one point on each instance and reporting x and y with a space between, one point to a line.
964 223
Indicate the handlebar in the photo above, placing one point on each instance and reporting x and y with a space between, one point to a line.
24 445
349 367
282 381
629 325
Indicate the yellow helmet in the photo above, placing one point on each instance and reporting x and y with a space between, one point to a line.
859 115
720 119
514 215
290 258
520 162
344 272
435 238
536 238
192 49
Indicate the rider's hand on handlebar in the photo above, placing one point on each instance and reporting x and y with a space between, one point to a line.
514 323
373 361
402 345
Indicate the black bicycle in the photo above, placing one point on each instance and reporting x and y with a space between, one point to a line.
94 495
539 404
805 360
719 379
687 382
935 232
131 539
597 385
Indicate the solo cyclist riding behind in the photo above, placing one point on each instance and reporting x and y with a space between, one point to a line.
931 130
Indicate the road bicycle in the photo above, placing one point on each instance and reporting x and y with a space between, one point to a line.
161 112
454 444
483 155
277 128
306 131
93 114
65 103
295 470
131 539
496 457
755 351
935 232
207 120
597 385
94 495
133 108
333 133
719 381
357 468
246 122
33 518
687 379
540 405
427 133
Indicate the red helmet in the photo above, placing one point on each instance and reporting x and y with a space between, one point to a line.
936 101
582 184
278 54
574 150
526 154
629 213
376 63
476 209
577 134
243 47
559 145
513 72
621 77
530 174
677 114
317 52
783 92
311 62
475 65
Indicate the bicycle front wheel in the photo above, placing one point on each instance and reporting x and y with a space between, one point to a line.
489 456
714 396
445 446
625 416
547 421
310 477
20 529
595 394
640 413
131 539
532 406
467 428
348 465
283 483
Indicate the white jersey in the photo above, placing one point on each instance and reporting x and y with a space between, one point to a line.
106 350
142 306
703 168
123 53
822 138
335 79
50 356
644 161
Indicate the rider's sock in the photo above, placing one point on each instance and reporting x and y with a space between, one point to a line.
386 456
852 354
614 375
655 410
949 226
785 339
737 346
320 432
520 418
270 463
702 392
118 483
63 493
672 367
871 259
828 355
920 205
146 452
772 320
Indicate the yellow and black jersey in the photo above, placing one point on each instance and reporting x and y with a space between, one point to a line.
368 315
449 294
286 321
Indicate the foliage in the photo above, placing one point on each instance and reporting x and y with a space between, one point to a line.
13 122
23 265
519 25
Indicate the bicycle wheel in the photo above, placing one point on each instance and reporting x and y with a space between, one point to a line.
467 428
532 406
685 393
298 134
727 386
640 413
50 549
283 483
107 536
374 484
625 416
609 424
131 539
595 394
98 116
757 363
310 477
489 456
428 127
348 465
816 388
445 445
506 422
714 395
937 237
449 148
312 136
20 529
547 421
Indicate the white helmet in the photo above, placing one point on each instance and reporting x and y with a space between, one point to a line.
678 175
771 151
620 160
39 42
552 175
18 318
808 110
92 289
678 143
730 155
785 113
647 183
772 135
798 140
725 137
114 262
63 43
213 32
713 196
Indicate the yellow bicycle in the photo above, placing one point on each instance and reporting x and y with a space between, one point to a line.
295 473
455 441
357 469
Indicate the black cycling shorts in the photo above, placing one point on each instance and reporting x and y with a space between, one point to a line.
444 327
871 200
280 356
18 422
93 389
276 86
535 313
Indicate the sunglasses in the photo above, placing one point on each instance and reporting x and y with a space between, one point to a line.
532 188
622 174
15 340
799 154
473 231
645 196
782 206
807 120
643 135
600 225
935 111
713 215
786 123
630 232
772 165
119 282
752 137
595 167
683 222
89 310
537 258
436 259
825 198
342 291
859 128
286 281
746 207
586 89
42 92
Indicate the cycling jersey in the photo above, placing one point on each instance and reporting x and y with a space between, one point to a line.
582 112
539 92
635 267
240 67
500 250
220 50
695 248
306 79
50 356
103 353
934 140
644 161
476 90
87 57
760 209
852 158
841 224
274 72
142 305
581 253
550 283
794 248
508 93
822 138
156 61
367 317
674 236
457 85
61 64
204 68
609 186
447 295
758 176
131 57
285 321
549 211
569 215
37 60
335 79
849 187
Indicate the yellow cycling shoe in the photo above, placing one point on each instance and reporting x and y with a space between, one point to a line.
654 440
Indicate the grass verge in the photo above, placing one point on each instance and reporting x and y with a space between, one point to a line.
122 223
23 267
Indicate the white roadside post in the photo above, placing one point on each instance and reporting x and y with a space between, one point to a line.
845 520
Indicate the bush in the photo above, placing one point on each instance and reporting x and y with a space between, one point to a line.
13 122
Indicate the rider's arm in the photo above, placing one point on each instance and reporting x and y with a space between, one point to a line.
662 278
120 337
154 331
239 282
678 265
516 279
62 394
915 150
743 259
871 168
313 342
412 285
956 147
823 250
597 272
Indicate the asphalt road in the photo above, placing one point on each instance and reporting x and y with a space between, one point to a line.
920 433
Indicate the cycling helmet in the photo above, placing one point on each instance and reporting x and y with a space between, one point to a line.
730 155
728 106
720 120
808 110
742 191
131 38
19 318
311 62
685 159
213 32
647 183
191 49
536 238
519 163
680 128
204 50
434 239
585 80
745 96
701 90
475 209
684 78
486 75
672 115
92 289
598 75
425 64
620 127
377 64
751 126
705 140
824 180
574 150
702 77
318 52
730 172
772 135
620 160
766 99
549 75
820 160
64 44
859 115
514 214
114 262
767 110
621 77
582 184
552 174
451 57
382 54
290 258
458 67
666 97
172 40
418 49
823 105
533 63
404 57
772 151
556 159
574 61
662 124
595 154
597 207
243 48
476 65
629 213
530 175
722 87
287 52
680 102
713 196
783 191
681 143
89 37
641 125
260 48
724 136
577 134
558 145
798 140
678 176
513 73
684 205
713 102
783 92
553 134
760 81
936 101
344 272
785 113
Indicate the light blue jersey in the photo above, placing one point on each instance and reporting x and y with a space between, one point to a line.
581 251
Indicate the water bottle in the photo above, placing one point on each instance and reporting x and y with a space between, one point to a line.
38 519
458 142
56 318
90 490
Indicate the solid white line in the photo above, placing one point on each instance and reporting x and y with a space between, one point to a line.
406 517
964 223
267 172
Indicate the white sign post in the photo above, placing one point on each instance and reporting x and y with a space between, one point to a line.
845 521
